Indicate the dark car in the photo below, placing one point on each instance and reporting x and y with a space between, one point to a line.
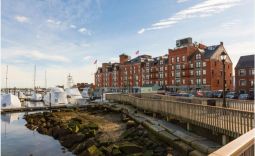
232 95
243 97
251 96
218 94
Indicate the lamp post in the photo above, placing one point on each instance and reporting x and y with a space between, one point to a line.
223 57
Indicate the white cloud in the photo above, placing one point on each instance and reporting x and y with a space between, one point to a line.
181 1
230 24
86 58
203 9
22 76
21 19
33 54
73 26
55 22
83 30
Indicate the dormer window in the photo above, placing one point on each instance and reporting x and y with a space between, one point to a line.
198 56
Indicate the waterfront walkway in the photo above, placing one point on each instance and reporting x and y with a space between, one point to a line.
199 144
228 121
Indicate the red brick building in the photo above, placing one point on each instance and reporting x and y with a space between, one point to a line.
190 66
244 74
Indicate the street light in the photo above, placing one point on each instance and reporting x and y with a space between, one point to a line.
223 57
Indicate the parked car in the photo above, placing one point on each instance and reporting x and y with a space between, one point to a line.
208 94
218 94
251 96
232 95
243 97
186 95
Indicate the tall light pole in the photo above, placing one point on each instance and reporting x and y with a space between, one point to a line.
223 57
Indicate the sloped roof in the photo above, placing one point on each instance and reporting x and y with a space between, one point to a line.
246 61
209 51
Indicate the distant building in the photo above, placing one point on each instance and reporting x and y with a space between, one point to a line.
189 66
244 74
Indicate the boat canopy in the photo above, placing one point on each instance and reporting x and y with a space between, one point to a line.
9 100
73 92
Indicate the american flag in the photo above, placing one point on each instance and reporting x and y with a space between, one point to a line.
95 62
137 52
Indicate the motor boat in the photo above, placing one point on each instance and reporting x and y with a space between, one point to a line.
36 97
73 93
55 96
10 101
85 93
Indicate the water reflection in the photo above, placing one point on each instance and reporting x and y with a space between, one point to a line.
16 139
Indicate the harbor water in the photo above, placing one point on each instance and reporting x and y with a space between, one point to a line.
18 140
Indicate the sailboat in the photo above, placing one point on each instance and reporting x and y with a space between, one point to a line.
8 99
35 95
73 93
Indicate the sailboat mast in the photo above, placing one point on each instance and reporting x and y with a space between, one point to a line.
34 76
6 78
45 79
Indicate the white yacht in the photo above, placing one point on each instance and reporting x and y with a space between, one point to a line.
10 100
73 93
85 93
55 96
36 96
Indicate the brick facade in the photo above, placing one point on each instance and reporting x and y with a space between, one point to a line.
188 67
244 74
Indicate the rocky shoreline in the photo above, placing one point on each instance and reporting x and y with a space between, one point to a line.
98 131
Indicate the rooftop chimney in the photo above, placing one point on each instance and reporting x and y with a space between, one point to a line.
221 43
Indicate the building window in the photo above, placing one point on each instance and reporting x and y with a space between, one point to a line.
178 66
218 81
183 66
242 82
177 59
165 68
183 73
198 56
178 74
204 72
191 65
198 81
198 72
172 59
252 83
172 67
204 64
191 72
198 64
242 72
251 71
172 73
161 62
178 81
183 81
215 63
172 81
191 82
204 81
183 58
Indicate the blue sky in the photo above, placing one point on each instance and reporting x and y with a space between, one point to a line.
63 36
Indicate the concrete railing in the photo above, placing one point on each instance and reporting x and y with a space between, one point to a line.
231 122
231 103
242 146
